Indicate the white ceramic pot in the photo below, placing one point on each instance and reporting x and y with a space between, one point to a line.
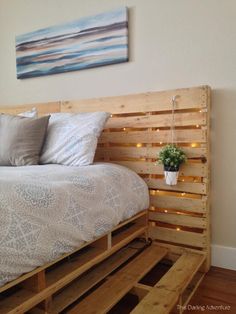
171 177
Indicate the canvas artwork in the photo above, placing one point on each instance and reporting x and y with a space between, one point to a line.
89 42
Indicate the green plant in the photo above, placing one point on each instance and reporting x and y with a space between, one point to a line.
171 157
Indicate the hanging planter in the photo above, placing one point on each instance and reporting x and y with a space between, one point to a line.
171 175
171 157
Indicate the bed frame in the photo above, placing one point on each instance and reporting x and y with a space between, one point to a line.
178 220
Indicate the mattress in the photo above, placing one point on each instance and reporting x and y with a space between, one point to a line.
49 210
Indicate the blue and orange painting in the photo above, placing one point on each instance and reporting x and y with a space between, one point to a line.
86 43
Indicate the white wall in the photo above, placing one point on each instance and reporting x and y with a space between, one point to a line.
173 44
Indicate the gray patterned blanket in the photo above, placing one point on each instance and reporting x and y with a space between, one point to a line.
46 211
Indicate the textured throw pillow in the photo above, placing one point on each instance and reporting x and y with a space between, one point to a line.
33 113
72 138
21 139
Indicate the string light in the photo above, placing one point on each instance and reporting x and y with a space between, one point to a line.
166 211
200 110
160 143
111 115
193 145
158 130
197 126
178 229
182 180
139 145
124 129
183 194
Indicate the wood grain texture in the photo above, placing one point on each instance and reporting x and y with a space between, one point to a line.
90 279
144 152
217 289
188 98
178 219
120 283
175 236
142 167
161 120
167 291
186 187
179 203
153 137
42 108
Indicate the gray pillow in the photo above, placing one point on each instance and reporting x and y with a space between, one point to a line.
21 139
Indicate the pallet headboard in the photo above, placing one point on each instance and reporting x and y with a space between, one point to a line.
179 215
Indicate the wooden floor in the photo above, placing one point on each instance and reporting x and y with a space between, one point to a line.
216 293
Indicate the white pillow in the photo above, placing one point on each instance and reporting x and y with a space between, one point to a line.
72 138
33 113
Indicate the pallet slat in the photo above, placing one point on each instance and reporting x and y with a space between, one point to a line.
163 297
178 237
152 137
42 108
145 167
179 203
188 98
178 219
90 279
109 293
188 187
144 152
160 120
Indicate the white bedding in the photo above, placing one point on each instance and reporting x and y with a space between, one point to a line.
46 211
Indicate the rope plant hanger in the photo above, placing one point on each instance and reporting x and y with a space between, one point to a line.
172 156
172 127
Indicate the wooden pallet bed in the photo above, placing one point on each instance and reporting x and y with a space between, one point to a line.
178 220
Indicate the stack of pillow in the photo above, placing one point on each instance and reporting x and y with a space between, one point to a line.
60 138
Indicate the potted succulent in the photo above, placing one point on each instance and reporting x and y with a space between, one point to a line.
171 157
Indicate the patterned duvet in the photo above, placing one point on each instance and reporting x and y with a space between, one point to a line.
46 211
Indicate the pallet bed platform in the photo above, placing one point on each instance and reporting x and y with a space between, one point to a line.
178 220
42 283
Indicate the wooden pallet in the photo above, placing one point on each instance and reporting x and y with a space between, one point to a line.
175 287
179 216
139 127
39 287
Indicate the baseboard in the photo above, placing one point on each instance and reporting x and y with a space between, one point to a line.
223 256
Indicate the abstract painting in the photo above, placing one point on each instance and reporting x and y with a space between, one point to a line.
86 43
